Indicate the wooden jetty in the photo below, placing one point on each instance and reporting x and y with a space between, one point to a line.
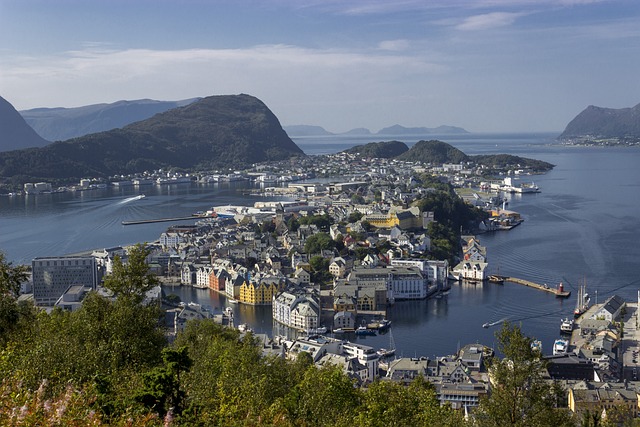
558 292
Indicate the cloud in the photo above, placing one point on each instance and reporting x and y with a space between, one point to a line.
489 20
394 45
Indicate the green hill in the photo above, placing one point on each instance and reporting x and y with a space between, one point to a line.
435 152
384 149
217 132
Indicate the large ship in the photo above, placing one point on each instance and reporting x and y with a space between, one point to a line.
582 304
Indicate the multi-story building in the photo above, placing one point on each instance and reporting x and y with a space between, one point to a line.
260 290
52 276
299 311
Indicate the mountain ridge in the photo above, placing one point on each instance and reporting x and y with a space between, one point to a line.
61 124
222 132
598 122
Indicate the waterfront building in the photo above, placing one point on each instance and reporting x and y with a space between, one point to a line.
600 399
610 310
297 310
53 276
261 289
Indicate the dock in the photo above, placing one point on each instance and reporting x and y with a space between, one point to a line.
151 221
555 291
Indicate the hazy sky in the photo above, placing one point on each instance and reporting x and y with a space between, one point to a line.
485 65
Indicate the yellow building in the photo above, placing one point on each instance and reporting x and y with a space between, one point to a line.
260 291
402 218
597 400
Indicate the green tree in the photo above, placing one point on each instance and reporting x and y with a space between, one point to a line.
519 396
11 277
131 280
319 241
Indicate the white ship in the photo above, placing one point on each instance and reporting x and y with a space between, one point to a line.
560 346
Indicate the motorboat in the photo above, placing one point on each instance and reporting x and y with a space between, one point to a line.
362 330
560 346
566 325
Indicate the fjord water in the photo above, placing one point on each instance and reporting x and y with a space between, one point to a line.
581 227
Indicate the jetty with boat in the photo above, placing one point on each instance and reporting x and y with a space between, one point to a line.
559 292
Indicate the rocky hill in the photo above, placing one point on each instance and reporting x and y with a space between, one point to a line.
600 123
59 124
15 133
217 132
434 152
383 150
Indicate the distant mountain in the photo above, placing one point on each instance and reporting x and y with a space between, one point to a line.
357 131
15 133
383 150
598 122
219 132
59 124
401 130
305 130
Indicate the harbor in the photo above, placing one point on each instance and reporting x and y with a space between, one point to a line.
153 221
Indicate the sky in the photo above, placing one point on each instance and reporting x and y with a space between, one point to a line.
484 65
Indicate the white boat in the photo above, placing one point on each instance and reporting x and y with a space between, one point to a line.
388 352
560 346
229 311
486 325
566 325
232 301
536 345
317 331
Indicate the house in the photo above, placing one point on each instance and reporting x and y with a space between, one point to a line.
338 267
470 270
599 400
611 309
344 320
298 310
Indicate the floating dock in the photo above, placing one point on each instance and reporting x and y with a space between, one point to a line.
558 292
151 221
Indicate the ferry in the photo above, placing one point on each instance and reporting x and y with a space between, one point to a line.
560 346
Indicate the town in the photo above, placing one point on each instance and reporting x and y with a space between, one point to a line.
331 256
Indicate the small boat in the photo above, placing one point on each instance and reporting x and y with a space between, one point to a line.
232 301
536 345
388 352
566 325
317 331
140 196
243 327
384 324
560 346
362 330
228 311
486 325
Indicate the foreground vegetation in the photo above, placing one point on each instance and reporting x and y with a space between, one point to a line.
109 364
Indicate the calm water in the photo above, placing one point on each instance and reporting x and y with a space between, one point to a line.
580 227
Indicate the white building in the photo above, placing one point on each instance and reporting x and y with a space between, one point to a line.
298 311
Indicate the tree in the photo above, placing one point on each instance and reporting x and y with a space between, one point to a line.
519 396
11 277
316 243
131 280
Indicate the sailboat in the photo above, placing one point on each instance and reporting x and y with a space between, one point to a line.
582 304
388 352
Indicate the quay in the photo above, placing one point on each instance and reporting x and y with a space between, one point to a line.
558 292
151 221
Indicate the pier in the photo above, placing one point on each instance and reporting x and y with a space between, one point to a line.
555 291
151 221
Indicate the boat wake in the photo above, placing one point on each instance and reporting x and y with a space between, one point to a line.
131 199
497 322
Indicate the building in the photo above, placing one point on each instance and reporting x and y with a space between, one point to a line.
52 276
610 310
300 311
602 399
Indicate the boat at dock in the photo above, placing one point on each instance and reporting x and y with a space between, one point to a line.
583 301
566 325
536 345
362 330
560 346
388 352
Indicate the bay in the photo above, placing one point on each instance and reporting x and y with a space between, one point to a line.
580 227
